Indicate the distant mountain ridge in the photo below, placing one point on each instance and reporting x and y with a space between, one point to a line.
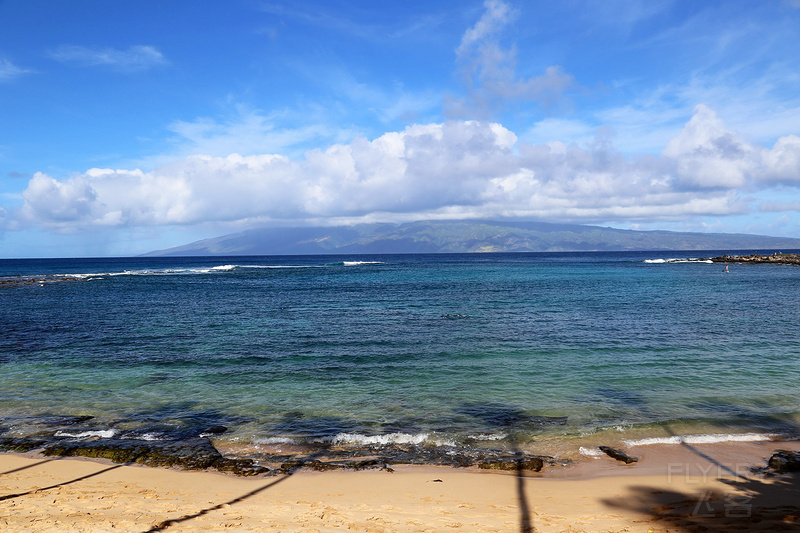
458 236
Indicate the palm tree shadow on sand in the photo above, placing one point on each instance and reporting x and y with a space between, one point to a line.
756 500
163 526
508 418
186 518
526 524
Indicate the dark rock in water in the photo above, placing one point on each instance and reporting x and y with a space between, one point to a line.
197 454
619 455
50 421
72 420
174 422
624 396
297 424
783 461
498 415
215 430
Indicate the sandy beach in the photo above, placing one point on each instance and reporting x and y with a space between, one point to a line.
671 489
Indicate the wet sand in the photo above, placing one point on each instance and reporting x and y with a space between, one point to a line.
672 488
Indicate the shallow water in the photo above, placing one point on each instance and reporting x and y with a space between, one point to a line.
544 352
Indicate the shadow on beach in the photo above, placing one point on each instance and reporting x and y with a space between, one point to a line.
162 526
508 418
753 505
755 499
54 486
526 524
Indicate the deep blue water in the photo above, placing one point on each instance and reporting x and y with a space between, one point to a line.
544 351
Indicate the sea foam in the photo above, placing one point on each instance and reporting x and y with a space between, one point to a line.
275 440
379 440
590 452
357 263
102 433
702 439
662 261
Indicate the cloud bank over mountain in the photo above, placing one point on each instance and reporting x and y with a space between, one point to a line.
455 169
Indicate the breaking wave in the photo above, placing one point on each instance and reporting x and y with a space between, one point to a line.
101 433
689 260
704 439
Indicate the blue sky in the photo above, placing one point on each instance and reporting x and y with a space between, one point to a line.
132 126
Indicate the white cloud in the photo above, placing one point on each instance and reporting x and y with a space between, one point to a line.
708 156
9 71
782 162
51 202
133 58
489 70
496 16
455 169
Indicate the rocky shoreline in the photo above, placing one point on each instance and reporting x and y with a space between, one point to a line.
774 259
194 449
190 444
200 454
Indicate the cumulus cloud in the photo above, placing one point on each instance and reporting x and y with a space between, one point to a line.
782 162
425 166
709 156
133 58
52 202
489 70
456 169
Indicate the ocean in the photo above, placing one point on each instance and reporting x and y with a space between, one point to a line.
278 356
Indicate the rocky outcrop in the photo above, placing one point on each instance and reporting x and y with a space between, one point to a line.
783 461
200 454
321 466
619 455
533 464
195 454
21 445
774 259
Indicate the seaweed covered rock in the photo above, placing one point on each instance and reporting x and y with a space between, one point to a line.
10 444
533 464
321 466
195 454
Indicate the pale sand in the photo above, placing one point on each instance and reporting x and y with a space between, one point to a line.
672 489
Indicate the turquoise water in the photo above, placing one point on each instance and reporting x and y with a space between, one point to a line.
543 351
